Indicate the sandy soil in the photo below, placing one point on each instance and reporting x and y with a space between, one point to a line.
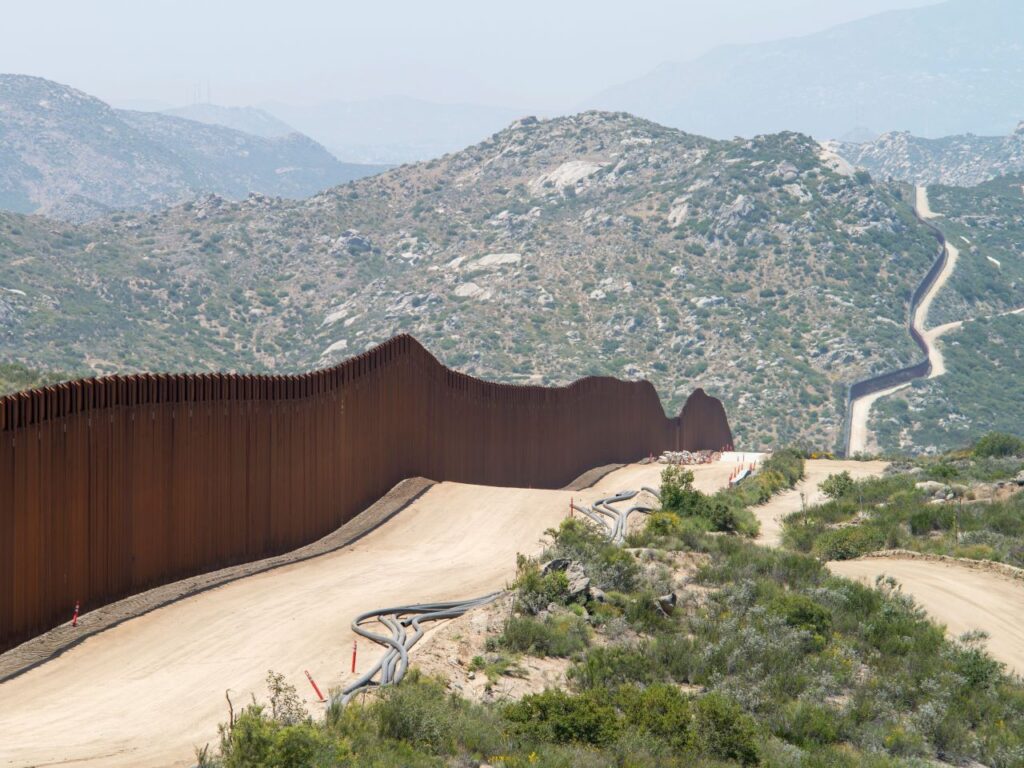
924 210
861 439
707 478
145 692
772 513
961 598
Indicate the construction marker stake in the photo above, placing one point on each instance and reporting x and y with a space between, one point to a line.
354 646
74 617
312 682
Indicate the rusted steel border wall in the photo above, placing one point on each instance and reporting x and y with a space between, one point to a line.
115 485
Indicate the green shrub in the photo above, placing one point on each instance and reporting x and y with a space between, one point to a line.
836 486
563 718
721 729
661 710
562 635
608 566
801 612
848 543
419 712
999 444
535 591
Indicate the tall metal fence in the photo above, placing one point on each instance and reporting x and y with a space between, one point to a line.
112 486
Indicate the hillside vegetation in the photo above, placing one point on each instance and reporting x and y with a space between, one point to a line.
981 390
593 244
761 657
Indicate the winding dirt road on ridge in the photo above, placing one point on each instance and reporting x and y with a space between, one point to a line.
144 692
860 409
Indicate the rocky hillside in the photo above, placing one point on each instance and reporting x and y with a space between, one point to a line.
955 160
70 156
593 244
982 389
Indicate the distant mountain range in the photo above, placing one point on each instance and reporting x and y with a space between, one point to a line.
69 155
249 120
962 161
956 67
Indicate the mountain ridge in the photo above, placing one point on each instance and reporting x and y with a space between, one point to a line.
69 155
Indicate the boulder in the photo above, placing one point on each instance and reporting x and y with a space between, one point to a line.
667 603
930 486
579 582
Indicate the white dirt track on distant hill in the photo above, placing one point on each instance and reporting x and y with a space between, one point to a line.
860 409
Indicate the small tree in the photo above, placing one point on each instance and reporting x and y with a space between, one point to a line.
678 494
836 486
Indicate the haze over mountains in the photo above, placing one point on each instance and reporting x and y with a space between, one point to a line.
951 68
394 130
68 155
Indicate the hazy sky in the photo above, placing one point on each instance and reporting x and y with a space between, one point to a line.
540 54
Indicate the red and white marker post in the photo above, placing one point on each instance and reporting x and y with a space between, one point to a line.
312 682
74 616
355 645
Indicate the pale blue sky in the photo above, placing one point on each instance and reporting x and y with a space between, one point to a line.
535 54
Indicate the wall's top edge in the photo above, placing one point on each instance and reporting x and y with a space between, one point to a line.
34 406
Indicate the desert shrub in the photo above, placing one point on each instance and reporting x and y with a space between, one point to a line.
808 724
678 494
564 718
933 517
722 729
660 710
999 444
801 612
284 737
836 486
562 635
848 543
608 566
610 666
535 591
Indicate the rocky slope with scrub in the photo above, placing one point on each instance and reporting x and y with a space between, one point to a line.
762 270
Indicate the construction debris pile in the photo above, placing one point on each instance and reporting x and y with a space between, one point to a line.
688 457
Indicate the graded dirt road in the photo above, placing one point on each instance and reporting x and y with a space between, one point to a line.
771 514
143 693
860 410
962 598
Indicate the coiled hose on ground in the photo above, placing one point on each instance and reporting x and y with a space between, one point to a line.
393 665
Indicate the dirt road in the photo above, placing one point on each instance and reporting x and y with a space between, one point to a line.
959 597
143 693
771 514
860 439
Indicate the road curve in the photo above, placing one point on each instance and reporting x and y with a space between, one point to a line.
859 438
771 514
960 597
